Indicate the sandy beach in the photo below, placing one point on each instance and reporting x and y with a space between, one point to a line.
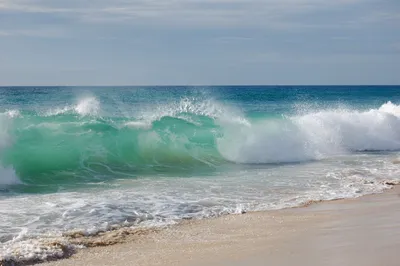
361 231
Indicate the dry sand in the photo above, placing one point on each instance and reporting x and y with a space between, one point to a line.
363 231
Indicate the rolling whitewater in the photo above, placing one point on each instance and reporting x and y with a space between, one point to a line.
91 159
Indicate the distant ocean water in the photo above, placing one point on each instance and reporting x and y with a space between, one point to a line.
89 158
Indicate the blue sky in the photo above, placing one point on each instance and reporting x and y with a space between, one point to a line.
199 42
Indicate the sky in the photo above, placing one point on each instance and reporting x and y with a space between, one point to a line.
199 42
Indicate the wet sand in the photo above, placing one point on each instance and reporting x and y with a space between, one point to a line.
363 231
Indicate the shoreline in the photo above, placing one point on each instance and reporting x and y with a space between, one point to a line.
324 233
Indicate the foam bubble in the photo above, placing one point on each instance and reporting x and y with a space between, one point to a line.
34 251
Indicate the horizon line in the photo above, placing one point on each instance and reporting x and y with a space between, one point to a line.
203 85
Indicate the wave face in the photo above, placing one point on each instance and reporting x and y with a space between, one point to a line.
82 142
77 144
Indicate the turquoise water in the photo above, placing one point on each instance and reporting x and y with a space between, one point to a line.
86 158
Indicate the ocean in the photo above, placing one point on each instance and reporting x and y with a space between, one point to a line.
92 159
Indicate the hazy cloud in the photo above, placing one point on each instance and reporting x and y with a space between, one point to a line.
262 13
199 41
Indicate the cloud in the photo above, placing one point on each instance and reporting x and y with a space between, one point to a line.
275 15
220 13
194 41
232 39
44 33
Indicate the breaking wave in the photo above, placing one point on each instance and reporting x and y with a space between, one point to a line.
75 143
313 136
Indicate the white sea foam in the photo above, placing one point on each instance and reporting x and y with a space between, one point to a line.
206 107
390 108
88 106
138 124
6 121
85 106
35 250
58 111
153 202
12 113
313 136
7 175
